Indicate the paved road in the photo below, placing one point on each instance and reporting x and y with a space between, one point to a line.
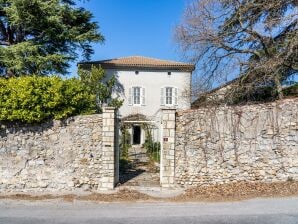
259 211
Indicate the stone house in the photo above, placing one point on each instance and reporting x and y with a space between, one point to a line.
147 85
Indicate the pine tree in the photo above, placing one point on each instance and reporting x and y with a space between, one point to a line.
43 36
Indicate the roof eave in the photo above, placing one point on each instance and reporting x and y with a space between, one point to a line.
185 67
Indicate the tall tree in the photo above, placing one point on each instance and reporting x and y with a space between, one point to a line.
254 39
43 36
96 82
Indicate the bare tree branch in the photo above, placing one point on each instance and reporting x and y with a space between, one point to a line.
254 39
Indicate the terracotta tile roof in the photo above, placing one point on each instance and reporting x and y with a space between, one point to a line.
134 62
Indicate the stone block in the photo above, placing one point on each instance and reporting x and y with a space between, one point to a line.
165 117
171 117
172 132
170 124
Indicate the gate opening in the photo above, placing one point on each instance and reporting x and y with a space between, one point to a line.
139 152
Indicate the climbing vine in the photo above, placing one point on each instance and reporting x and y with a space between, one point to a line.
216 139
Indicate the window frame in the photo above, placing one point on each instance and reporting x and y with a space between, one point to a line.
171 97
134 96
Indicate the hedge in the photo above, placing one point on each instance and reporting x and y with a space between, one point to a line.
33 99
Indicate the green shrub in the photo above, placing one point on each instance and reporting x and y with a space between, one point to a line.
291 90
153 149
33 99
124 143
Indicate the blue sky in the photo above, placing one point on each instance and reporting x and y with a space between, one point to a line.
136 27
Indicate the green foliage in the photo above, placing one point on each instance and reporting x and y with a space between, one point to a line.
153 148
291 90
32 99
95 82
260 94
125 143
42 36
115 102
124 163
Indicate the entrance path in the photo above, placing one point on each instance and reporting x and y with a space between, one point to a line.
143 172
256 211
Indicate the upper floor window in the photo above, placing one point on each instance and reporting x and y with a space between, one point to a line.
136 96
169 96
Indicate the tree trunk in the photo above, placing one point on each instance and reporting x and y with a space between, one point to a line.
98 104
10 73
278 86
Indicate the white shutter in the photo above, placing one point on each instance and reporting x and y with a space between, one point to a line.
130 96
162 97
175 96
143 97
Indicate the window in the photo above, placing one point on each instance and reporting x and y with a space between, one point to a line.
169 95
136 95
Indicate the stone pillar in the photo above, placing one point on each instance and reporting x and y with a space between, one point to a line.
167 161
117 148
108 180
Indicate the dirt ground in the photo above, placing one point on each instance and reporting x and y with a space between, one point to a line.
223 192
239 191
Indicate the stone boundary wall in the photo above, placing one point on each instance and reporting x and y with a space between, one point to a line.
240 143
58 155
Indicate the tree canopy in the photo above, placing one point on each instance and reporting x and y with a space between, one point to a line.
255 40
43 36
35 99
98 84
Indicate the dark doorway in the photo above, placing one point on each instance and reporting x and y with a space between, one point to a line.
136 130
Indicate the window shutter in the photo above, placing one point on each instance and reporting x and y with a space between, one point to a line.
176 96
162 97
130 96
143 96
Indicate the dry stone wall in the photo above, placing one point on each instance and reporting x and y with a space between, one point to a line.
242 143
54 156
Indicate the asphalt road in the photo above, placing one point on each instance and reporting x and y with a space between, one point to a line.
259 211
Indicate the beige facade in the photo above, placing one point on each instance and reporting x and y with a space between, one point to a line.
148 85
